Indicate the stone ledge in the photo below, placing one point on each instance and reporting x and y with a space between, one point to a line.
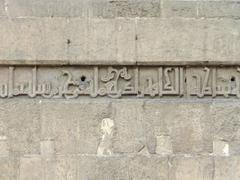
117 63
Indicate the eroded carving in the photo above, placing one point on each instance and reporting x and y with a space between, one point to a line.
105 146
116 82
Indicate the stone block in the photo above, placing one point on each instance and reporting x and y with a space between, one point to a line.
111 40
7 169
186 121
226 119
21 125
55 40
129 135
31 167
92 8
66 168
170 39
128 8
45 8
222 40
189 168
227 168
33 39
219 9
148 168
74 125
103 168
234 148
179 8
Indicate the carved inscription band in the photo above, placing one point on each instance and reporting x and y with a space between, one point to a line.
118 81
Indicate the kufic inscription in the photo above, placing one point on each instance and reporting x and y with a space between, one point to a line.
118 81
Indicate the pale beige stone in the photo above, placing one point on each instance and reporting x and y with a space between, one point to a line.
47 147
129 137
7 169
21 118
112 40
148 168
220 9
31 168
220 148
103 168
129 8
226 118
170 39
164 145
222 40
4 149
66 168
105 146
227 168
179 8
189 168
187 124
74 125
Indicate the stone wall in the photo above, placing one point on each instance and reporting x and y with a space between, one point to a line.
172 113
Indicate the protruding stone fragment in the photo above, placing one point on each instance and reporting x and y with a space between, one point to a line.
220 148
105 146
4 150
164 145
47 147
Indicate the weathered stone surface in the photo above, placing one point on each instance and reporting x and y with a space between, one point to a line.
185 121
188 168
56 39
7 169
66 168
220 148
44 8
179 8
2 9
219 9
143 127
23 127
226 121
81 133
128 8
222 42
114 40
226 168
86 8
148 168
171 39
90 167
119 40
129 135
4 149
31 167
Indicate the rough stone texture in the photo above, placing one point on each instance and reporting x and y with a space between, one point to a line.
184 121
219 9
148 139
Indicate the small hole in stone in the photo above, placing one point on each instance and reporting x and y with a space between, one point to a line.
232 79
83 78
68 41
136 37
